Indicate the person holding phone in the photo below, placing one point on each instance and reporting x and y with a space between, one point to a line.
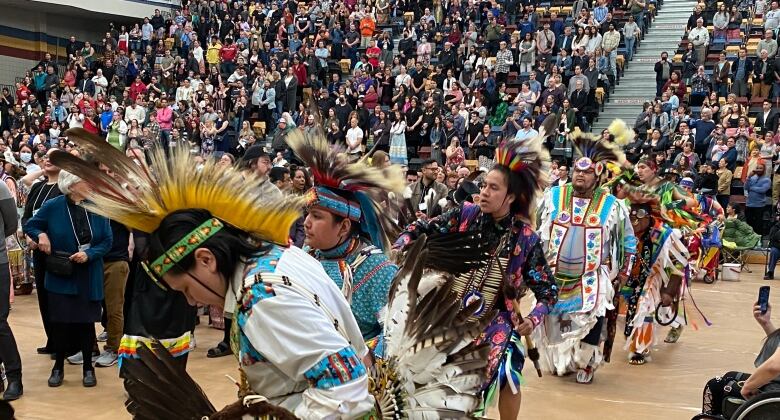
744 385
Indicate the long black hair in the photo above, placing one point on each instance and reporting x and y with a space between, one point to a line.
230 245
523 191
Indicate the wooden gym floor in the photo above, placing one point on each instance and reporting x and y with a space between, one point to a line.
667 388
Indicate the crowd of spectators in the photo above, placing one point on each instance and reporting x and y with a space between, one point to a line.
714 116
218 77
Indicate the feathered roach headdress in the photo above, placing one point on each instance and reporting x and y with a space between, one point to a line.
593 153
527 160
347 189
140 197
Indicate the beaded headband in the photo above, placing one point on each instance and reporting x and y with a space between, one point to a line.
325 197
185 246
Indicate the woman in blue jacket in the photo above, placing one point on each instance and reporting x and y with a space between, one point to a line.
69 235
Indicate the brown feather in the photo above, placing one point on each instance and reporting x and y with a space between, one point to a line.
160 389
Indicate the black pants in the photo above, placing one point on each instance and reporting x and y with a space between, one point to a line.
9 353
39 266
754 216
718 389
70 338
594 335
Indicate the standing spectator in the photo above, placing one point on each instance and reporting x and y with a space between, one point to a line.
741 69
663 71
720 23
756 187
9 353
724 183
772 18
354 139
610 43
720 75
367 28
77 241
769 44
545 41
631 32
503 62
763 75
115 272
164 115
398 139
700 38
426 192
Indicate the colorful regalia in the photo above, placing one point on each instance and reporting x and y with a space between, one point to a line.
661 254
296 340
516 263
587 241
358 265
662 261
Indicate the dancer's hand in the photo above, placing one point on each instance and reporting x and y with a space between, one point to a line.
526 328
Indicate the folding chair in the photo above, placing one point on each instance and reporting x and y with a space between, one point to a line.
738 238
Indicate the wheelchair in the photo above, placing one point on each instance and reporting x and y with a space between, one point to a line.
764 406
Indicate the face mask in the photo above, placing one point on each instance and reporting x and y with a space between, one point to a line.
25 157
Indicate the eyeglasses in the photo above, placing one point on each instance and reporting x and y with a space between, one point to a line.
639 214
161 283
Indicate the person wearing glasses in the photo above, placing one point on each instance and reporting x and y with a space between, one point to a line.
74 241
425 194
655 279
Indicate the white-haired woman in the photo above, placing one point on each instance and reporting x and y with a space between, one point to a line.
74 241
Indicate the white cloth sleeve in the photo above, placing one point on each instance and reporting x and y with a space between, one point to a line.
300 340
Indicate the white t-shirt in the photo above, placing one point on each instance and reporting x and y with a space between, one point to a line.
354 140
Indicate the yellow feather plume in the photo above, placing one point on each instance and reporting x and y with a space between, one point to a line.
176 183
622 133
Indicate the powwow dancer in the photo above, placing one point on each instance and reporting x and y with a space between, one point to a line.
345 229
675 207
212 235
516 262
703 244
589 244
655 281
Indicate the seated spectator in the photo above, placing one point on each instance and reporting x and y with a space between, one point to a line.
743 386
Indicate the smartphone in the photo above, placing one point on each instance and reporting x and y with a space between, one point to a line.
763 299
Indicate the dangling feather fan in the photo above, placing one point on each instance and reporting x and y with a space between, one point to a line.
529 160
331 169
159 388
141 197
431 367
598 151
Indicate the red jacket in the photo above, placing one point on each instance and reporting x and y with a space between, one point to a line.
228 53
300 72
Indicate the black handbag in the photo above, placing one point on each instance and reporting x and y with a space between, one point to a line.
59 263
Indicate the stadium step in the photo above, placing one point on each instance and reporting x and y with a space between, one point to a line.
637 85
